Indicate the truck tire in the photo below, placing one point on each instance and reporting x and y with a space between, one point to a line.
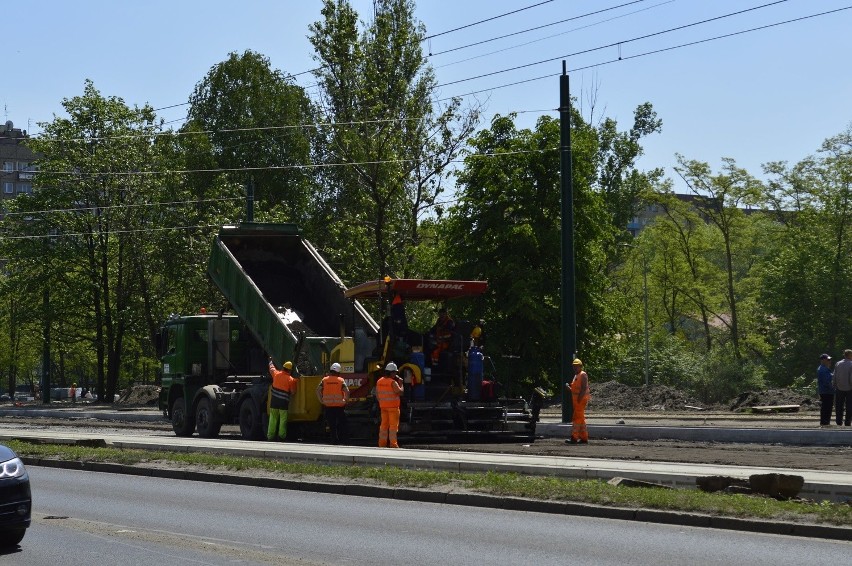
251 426
182 423
206 420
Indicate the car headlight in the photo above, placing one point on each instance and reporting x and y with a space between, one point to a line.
13 468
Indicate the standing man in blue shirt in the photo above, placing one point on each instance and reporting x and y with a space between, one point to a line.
826 390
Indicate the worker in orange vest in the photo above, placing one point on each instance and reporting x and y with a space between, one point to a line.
388 392
283 386
579 388
442 332
333 393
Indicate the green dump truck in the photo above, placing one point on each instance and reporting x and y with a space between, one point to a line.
287 303
283 300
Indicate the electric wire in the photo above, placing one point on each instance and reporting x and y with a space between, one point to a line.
470 25
653 52
302 166
118 206
615 44
550 75
545 38
533 29
324 124
105 232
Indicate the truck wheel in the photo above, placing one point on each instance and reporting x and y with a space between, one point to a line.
182 424
250 423
206 420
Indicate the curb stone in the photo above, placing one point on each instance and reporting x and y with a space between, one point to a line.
807 530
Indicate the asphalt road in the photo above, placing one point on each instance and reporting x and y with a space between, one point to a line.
99 519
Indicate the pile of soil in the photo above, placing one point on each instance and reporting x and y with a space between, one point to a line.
615 396
139 396
612 395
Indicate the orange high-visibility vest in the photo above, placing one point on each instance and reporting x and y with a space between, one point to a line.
386 394
332 391
283 384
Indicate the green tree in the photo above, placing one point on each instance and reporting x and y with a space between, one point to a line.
107 232
389 146
721 199
259 126
806 290
504 228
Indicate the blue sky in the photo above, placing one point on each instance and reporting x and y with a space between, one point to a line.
768 95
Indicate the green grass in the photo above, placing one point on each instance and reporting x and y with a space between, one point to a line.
494 483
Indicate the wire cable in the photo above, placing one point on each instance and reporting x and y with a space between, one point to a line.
545 38
617 43
620 58
470 25
533 29
99 233
274 167
118 206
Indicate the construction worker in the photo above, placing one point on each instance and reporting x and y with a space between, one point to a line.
442 331
283 386
388 392
333 393
579 388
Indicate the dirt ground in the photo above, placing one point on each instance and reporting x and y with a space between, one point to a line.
612 401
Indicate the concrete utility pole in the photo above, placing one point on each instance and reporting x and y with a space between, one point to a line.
569 307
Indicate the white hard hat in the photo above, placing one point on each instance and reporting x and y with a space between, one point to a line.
391 367
335 367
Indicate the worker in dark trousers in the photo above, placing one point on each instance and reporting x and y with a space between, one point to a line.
333 393
283 385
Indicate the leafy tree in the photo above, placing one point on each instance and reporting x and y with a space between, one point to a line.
258 122
389 147
504 229
105 232
621 183
720 200
806 290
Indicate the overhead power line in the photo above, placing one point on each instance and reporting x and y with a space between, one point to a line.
470 25
130 231
617 43
545 38
276 167
228 130
119 206
581 16
655 51
476 23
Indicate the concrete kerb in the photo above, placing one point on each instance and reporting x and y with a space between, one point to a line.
472 500
818 484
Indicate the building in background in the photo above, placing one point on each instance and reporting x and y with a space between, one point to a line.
16 162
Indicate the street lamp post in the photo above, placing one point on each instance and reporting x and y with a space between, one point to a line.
645 306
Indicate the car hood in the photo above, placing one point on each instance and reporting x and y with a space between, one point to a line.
6 453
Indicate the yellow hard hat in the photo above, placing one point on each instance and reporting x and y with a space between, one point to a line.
288 365
577 362
476 333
